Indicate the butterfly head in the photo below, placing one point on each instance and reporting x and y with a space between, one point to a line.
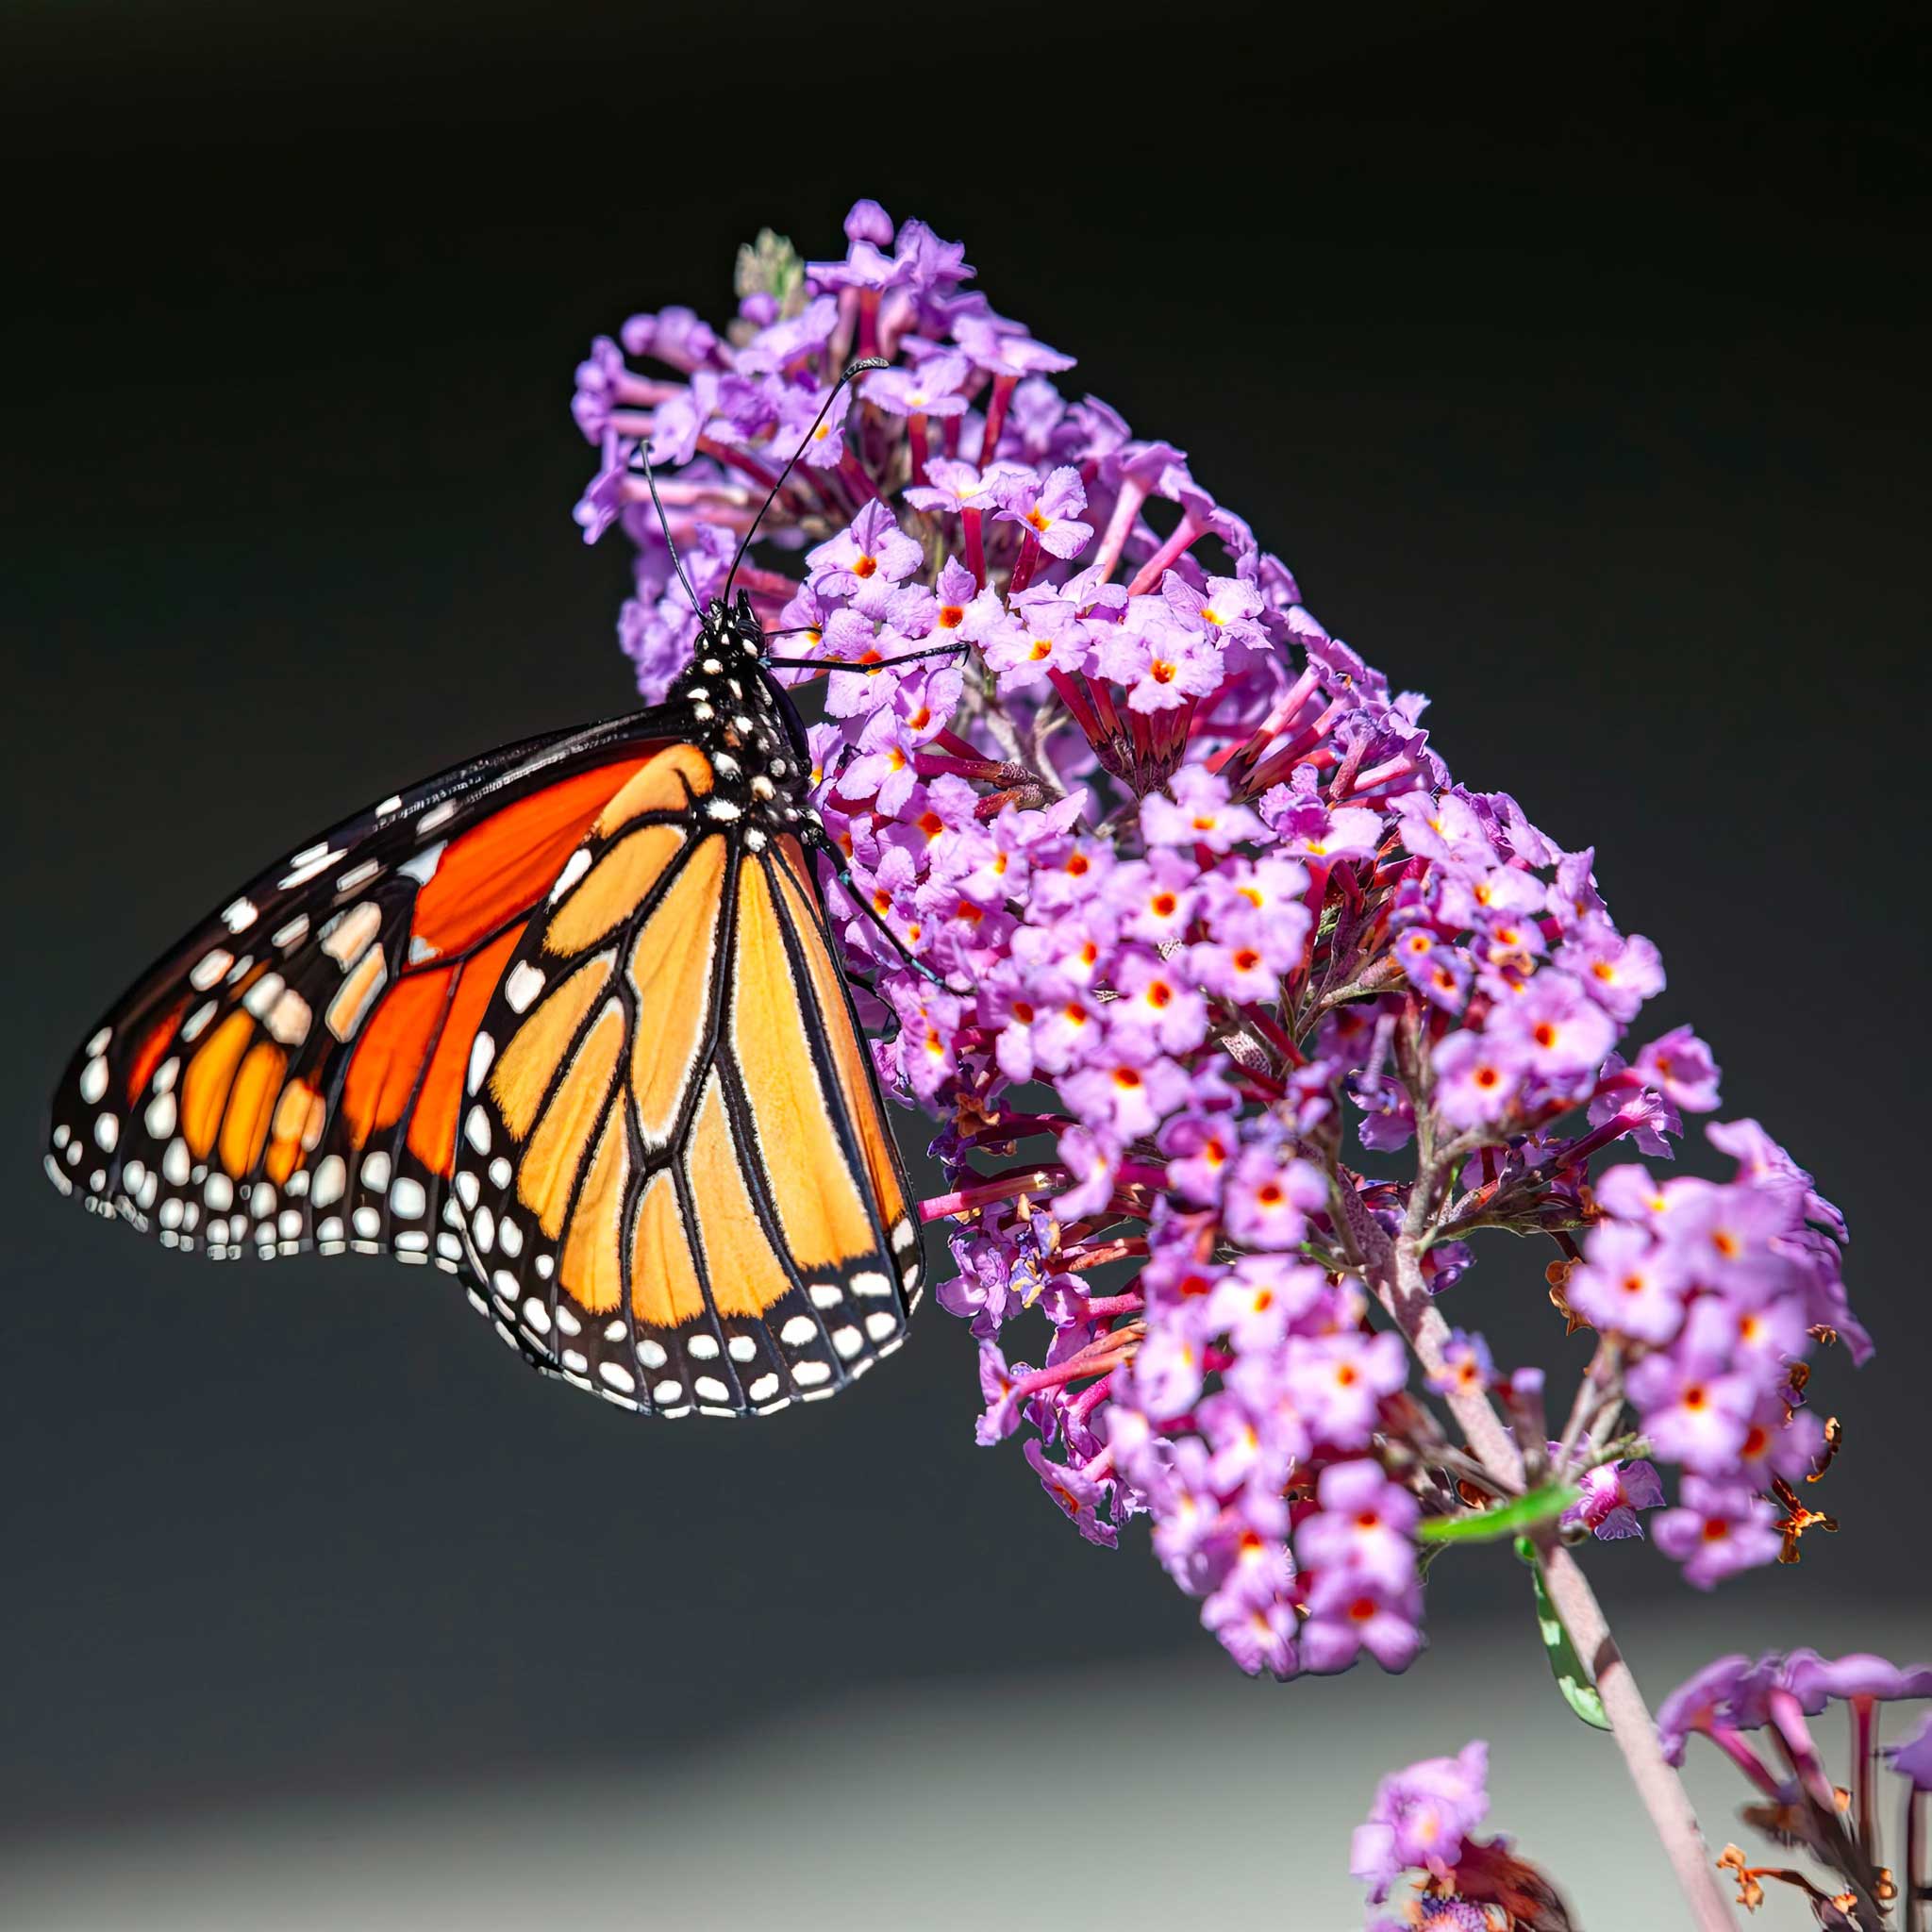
731 631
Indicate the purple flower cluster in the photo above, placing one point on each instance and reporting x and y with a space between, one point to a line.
1422 1823
1418 1819
1202 898
1798 1803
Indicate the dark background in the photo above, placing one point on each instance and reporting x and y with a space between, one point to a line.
1580 376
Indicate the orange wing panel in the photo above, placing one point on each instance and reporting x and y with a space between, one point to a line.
505 864
747 1276
210 1073
252 1107
847 1050
819 1206
391 1051
150 1053
433 1124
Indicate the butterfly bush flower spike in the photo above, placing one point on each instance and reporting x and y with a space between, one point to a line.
1251 1019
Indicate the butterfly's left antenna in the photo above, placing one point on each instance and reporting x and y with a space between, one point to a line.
664 525
857 368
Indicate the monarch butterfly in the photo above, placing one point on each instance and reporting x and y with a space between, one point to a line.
566 1021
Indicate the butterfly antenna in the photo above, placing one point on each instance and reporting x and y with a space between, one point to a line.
857 368
664 525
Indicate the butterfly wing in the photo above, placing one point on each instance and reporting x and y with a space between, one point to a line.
292 1072
675 1171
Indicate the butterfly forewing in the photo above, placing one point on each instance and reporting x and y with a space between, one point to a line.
674 1171
292 1072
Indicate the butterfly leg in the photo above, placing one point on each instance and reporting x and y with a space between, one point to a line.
817 842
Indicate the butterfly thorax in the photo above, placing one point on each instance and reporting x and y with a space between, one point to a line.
745 725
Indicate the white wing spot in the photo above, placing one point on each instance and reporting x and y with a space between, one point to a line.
567 1323
93 1080
160 1117
509 1238
522 986
575 867
537 1314
810 1375
483 1228
500 1172
650 1354
798 1331
346 937
703 1348
708 1388
476 1130
210 968
879 1324
106 1132
331 1178
407 1197
218 1193
239 916
742 1348
288 1019
423 867
617 1376
306 863
848 1341
376 1172
764 1386
870 1283
482 1051
367 1222
357 875
826 1295
435 815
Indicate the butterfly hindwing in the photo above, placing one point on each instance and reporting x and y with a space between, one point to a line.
673 1171
292 1072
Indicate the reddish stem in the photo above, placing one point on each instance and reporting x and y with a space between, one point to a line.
1003 388
1186 532
1026 563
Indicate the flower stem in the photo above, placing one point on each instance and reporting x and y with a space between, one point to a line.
1396 1277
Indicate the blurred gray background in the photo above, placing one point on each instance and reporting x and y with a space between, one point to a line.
1578 372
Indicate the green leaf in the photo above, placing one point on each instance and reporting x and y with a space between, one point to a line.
1506 1519
1579 1693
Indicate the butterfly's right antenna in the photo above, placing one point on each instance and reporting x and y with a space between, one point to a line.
664 524
857 368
